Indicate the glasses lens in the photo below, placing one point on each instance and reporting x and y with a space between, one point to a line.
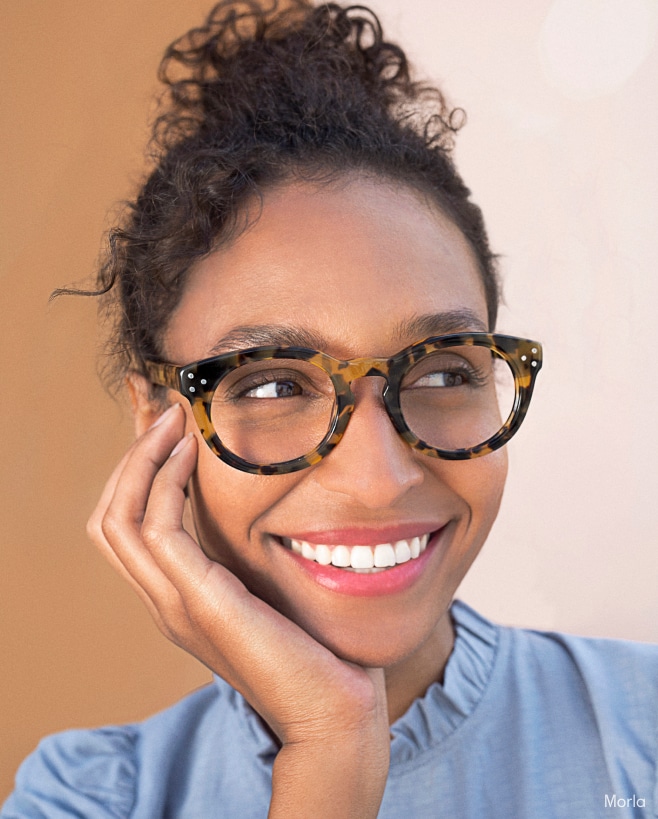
273 410
458 397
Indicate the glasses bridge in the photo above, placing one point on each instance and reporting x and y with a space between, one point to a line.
365 367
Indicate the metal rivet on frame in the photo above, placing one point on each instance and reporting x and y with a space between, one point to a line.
190 375
203 381
191 389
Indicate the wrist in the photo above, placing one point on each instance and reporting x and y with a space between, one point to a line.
340 777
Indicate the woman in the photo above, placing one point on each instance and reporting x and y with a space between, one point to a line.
305 299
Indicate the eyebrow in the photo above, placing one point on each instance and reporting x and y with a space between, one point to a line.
268 335
410 330
439 324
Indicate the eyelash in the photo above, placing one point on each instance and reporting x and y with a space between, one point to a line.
474 376
240 390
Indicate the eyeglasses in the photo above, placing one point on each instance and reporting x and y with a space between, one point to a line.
275 410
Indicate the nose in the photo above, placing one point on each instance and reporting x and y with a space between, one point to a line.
371 463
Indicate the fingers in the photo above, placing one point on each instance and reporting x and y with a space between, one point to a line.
147 456
94 525
115 522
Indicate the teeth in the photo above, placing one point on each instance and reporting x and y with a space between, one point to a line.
323 555
360 558
402 551
340 556
384 555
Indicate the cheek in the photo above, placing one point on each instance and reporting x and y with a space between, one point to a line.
220 497
479 485
486 483
226 504
483 491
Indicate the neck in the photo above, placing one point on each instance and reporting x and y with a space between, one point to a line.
411 677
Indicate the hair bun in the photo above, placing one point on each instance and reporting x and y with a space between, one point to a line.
284 70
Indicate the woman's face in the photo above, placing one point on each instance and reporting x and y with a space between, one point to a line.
352 266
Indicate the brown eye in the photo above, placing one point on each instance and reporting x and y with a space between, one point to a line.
274 389
441 379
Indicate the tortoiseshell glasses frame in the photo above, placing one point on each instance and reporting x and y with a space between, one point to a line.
199 380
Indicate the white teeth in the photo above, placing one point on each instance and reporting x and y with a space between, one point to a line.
308 551
402 551
384 555
323 554
361 558
340 557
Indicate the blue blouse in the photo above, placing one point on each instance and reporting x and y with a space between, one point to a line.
525 724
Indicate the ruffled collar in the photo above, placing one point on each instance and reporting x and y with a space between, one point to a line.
444 707
431 718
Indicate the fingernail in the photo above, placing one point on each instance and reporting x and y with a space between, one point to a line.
165 415
181 444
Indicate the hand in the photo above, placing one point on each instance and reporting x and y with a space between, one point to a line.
329 715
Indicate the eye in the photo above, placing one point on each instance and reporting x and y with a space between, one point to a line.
442 379
446 376
456 369
264 382
273 389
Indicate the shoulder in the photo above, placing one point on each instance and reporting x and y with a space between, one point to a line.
621 671
616 666
552 679
77 773
98 772
615 680
585 698
614 677
566 717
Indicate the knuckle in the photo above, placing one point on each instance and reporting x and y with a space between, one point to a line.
93 528
152 533
110 525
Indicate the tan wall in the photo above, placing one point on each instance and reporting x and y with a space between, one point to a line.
563 162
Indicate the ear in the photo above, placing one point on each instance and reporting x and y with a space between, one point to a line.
145 408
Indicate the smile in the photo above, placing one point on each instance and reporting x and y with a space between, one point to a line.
361 558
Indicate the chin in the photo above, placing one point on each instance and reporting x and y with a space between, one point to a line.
377 643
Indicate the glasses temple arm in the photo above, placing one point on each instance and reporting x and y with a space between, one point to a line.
166 375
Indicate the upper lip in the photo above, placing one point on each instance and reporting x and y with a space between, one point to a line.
364 535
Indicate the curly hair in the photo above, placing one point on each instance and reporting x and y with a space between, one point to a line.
254 98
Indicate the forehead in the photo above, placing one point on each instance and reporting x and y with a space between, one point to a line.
349 263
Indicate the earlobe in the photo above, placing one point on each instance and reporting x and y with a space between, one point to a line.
145 409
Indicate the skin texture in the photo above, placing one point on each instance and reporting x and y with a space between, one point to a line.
348 263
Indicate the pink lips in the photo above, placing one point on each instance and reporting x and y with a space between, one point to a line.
355 536
390 581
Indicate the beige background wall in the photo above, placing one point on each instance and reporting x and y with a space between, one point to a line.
559 151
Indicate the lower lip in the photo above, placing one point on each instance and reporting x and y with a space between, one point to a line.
390 581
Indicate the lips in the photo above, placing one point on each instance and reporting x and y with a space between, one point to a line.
365 546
